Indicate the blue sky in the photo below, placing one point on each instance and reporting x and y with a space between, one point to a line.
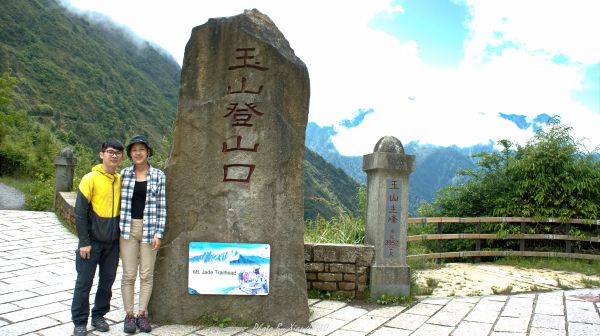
442 72
439 28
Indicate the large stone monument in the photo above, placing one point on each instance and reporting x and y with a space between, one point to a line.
235 171
388 169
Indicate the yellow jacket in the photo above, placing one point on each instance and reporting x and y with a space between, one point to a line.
97 207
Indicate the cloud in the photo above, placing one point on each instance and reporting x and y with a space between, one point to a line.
554 26
521 57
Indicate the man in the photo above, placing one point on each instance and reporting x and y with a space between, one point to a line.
97 222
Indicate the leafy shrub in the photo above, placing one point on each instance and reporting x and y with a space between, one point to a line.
40 194
552 175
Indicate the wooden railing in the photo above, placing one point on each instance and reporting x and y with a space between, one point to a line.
523 236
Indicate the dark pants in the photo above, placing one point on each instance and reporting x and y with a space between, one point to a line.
105 256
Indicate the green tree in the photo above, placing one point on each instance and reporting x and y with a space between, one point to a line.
550 176
26 148
7 85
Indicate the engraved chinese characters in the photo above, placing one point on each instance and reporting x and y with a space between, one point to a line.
235 171
391 243
240 113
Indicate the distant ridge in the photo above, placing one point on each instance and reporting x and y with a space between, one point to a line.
436 166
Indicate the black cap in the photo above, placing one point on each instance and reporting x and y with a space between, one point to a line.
139 139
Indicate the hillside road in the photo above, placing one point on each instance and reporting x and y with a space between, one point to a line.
11 198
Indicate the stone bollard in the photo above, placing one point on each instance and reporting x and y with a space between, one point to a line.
388 169
65 166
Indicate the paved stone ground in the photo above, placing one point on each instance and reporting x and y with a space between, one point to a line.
11 198
37 276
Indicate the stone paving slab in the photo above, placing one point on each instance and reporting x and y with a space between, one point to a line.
37 275
467 328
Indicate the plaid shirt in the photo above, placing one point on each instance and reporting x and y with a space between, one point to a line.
155 211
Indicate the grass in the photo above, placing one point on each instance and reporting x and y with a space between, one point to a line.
17 183
506 290
587 267
590 283
560 285
385 299
536 288
327 295
214 320
341 229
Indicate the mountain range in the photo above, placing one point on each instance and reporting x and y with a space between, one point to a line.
436 166
232 257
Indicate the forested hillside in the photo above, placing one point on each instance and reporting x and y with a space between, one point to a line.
327 189
85 80
67 80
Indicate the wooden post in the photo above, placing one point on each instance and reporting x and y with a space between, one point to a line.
568 243
439 242
478 242
523 231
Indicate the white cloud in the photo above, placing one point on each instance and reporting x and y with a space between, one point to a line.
352 66
555 26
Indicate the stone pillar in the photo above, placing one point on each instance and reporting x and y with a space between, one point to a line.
235 171
65 166
388 169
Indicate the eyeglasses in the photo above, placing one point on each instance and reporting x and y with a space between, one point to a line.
113 153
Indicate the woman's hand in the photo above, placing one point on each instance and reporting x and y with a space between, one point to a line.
155 243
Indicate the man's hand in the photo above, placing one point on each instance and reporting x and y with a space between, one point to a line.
155 243
85 252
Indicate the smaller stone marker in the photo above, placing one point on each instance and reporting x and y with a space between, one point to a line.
388 169
65 166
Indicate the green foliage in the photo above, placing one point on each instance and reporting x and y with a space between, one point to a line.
26 149
214 320
85 80
326 295
40 194
344 228
26 146
7 84
221 322
551 176
385 299
328 191
67 81
341 229
590 283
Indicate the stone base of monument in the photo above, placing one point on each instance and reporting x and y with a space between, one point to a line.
390 280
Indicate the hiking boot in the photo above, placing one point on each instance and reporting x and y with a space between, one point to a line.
142 323
80 330
129 325
99 323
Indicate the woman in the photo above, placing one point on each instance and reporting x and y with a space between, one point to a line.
143 215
